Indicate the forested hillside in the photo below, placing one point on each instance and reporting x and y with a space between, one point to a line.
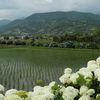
4 22
53 23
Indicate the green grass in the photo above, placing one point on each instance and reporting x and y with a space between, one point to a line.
21 67
44 41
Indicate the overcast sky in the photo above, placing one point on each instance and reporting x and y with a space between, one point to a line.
14 9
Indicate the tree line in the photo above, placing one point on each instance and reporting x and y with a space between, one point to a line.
95 37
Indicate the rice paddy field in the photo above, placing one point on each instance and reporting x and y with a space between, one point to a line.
20 68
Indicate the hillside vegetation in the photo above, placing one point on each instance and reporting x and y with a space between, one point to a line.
53 23
4 22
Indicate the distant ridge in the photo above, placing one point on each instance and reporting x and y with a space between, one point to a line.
4 22
53 23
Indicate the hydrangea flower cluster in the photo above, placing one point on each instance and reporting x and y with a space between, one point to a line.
82 85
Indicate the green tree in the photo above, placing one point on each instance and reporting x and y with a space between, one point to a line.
15 37
6 38
32 38
89 38
80 39
96 39
26 37
96 31
56 39
41 37
62 39
72 37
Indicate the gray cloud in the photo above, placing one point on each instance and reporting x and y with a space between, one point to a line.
5 4
14 9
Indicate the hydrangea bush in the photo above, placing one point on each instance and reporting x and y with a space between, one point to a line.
82 85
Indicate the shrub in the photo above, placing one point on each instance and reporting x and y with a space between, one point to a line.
38 44
53 44
3 42
17 42
91 45
61 45
77 45
46 45
32 43
9 42
69 45
23 43
27 43
82 45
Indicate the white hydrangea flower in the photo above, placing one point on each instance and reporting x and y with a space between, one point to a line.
27 99
68 71
36 97
63 79
73 78
52 83
81 70
98 61
91 62
97 74
70 93
86 75
38 90
69 81
83 90
46 96
1 87
85 97
62 89
43 93
97 95
92 65
90 92
2 97
30 95
99 78
49 96
13 97
47 89
11 92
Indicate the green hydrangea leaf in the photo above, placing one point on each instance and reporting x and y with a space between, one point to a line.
89 84
93 99
22 94
55 87
40 83
80 80
59 98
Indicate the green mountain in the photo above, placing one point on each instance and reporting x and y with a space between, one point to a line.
53 23
4 22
